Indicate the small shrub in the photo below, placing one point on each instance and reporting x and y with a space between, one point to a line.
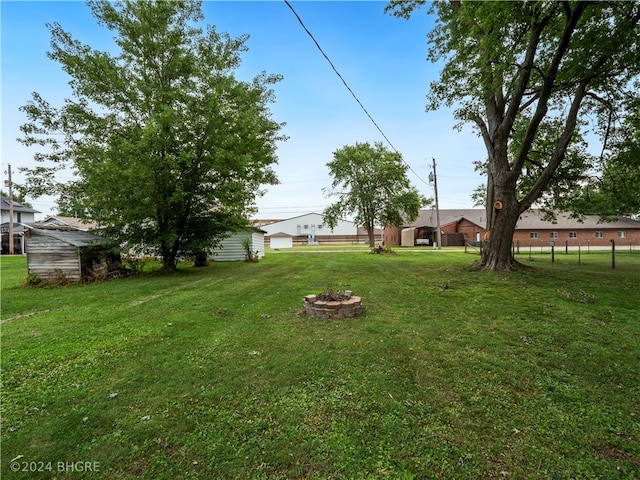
249 254
135 264
331 295
382 249
57 279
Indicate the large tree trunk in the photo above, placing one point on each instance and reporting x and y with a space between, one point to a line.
169 257
503 211
497 252
372 237
371 232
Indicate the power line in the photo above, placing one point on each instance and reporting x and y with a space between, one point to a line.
351 91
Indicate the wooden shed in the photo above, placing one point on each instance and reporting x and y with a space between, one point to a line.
70 254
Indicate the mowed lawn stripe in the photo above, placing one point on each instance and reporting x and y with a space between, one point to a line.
213 372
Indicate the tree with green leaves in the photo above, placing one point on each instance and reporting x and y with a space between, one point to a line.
168 148
371 183
616 191
529 75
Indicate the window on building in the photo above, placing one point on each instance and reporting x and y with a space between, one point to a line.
533 235
622 234
553 235
306 227
599 235
573 234
320 225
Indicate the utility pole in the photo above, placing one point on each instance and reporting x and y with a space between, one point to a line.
434 177
10 185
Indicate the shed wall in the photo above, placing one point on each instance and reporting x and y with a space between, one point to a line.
231 248
48 257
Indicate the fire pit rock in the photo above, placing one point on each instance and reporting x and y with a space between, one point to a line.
345 305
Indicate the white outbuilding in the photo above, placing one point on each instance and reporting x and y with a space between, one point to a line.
281 240
310 229
233 248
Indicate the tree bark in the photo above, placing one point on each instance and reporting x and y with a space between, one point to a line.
169 257
503 210
497 253
372 236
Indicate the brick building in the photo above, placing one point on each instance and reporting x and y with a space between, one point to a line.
458 227
533 230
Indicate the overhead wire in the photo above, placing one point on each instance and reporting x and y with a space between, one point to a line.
350 90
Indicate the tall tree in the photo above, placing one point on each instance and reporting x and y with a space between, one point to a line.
371 183
168 147
526 74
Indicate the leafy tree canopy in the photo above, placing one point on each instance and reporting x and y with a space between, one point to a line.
530 76
616 191
168 147
371 183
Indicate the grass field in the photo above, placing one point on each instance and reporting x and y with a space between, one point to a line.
212 373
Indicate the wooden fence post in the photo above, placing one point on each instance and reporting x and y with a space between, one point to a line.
613 253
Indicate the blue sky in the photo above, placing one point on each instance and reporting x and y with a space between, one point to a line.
382 58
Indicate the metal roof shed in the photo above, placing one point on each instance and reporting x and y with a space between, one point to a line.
70 254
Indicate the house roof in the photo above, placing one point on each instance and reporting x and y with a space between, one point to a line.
17 227
533 220
280 234
17 207
79 223
428 217
265 221
76 238
306 215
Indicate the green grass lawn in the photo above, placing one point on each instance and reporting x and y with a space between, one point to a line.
212 373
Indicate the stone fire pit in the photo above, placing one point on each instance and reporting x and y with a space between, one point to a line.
345 305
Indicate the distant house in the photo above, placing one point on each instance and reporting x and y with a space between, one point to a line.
458 227
311 229
233 248
71 254
73 222
21 215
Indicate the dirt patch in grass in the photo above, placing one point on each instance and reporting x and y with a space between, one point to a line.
612 453
24 315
